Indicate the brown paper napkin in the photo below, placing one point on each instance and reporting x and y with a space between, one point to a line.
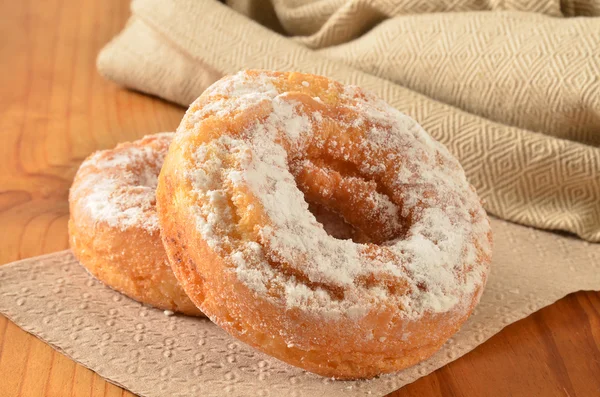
151 354
522 70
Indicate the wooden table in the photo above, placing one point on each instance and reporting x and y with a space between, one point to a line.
55 110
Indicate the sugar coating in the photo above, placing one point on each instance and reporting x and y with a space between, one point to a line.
118 186
439 258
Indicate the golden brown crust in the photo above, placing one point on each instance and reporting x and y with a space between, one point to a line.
212 286
381 340
131 259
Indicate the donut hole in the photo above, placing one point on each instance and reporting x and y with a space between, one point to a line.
138 163
335 225
148 177
348 204
144 173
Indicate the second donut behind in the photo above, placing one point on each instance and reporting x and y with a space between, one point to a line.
113 225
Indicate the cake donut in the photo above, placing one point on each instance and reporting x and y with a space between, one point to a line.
318 224
113 225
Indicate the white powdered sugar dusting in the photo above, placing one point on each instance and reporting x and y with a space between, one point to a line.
118 186
436 256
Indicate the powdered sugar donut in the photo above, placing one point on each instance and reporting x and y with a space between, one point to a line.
318 224
113 226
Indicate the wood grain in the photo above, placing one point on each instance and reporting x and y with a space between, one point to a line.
55 110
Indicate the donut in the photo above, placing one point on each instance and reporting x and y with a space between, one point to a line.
316 223
113 224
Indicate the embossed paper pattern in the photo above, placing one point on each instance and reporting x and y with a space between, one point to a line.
154 355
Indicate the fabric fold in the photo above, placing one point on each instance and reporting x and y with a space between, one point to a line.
527 70
322 23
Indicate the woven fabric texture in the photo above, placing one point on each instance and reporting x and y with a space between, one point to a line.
514 91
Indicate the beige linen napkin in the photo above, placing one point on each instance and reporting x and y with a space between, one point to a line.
321 23
154 355
491 78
